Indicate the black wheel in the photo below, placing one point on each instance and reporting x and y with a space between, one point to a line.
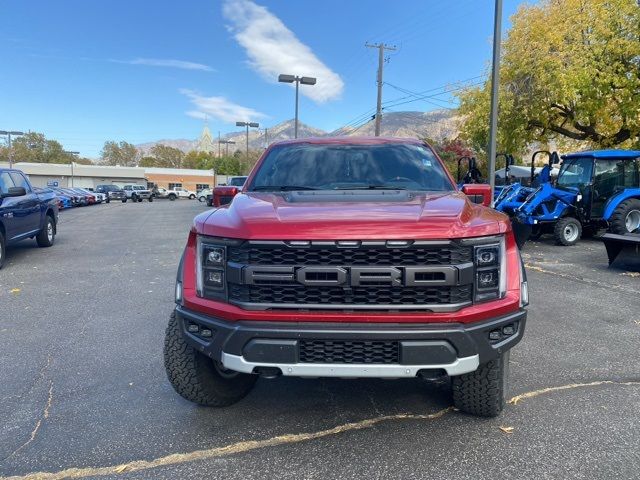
151 198
134 198
198 378
139 199
626 217
192 196
536 233
124 200
482 392
172 197
107 200
2 250
209 203
47 235
202 199
567 231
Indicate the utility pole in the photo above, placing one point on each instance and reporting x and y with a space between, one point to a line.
495 83
381 48
8 134
266 137
218 143
72 164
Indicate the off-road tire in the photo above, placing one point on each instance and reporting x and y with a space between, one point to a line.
134 198
124 200
172 197
151 198
194 375
3 250
482 392
47 235
139 199
617 223
561 228
192 197
202 199
107 200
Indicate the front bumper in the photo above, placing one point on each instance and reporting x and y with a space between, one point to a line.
252 347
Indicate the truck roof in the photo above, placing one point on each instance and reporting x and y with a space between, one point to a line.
344 140
630 154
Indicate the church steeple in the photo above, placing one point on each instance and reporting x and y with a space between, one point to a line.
205 142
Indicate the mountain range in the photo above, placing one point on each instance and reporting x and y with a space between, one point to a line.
437 125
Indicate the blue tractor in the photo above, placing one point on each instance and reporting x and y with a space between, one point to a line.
594 189
513 195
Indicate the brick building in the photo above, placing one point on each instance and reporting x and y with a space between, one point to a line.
194 180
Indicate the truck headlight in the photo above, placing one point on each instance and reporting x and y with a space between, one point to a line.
211 259
491 271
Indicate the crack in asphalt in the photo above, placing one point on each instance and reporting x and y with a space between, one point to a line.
585 281
36 428
245 446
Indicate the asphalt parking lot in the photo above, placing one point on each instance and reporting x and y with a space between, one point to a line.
83 393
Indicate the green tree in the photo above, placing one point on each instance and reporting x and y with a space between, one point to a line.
148 161
570 73
166 156
199 160
123 153
34 147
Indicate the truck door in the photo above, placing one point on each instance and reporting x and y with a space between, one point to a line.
27 207
7 206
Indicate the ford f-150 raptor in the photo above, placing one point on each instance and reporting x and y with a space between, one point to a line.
348 257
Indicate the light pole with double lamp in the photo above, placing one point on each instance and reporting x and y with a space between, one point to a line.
248 124
298 80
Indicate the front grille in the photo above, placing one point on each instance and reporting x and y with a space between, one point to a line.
378 295
342 351
369 256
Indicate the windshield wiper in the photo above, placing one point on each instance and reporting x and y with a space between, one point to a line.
280 188
371 187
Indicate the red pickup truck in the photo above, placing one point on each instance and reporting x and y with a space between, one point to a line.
348 257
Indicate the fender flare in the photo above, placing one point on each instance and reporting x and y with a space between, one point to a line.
619 197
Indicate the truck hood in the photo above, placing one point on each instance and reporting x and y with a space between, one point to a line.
350 216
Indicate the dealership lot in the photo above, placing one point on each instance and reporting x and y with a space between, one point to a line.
83 385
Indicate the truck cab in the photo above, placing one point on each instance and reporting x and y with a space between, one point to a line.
25 213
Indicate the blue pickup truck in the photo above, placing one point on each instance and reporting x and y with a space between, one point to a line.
25 213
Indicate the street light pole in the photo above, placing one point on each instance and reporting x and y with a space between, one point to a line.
298 80
8 134
495 83
248 124
72 164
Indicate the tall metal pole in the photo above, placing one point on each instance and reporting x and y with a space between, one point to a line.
247 144
218 143
381 48
295 130
495 83
10 152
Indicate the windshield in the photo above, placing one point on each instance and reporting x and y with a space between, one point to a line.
343 167
575 172
237 181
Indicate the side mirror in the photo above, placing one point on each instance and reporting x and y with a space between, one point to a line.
15 192
478 193
555 158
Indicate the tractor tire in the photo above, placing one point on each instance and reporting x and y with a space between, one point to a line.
482 392
197 377
626 217
567 231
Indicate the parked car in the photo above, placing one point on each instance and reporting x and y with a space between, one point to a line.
159 192
204 194
321 269
179 192
223 194
64 200
24 212
99 197
137 193
112 192
90 197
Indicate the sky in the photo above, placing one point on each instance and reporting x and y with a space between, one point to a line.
84 72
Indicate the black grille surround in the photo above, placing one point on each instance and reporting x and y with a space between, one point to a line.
345 351
452 262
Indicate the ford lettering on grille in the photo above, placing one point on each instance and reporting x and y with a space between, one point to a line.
351 276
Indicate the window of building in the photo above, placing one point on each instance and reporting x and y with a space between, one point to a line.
173 186
202 186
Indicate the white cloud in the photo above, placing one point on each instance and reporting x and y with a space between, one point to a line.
220 108
168 62
273 49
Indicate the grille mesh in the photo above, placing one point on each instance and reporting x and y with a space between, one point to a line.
294 294
332 351
444 255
